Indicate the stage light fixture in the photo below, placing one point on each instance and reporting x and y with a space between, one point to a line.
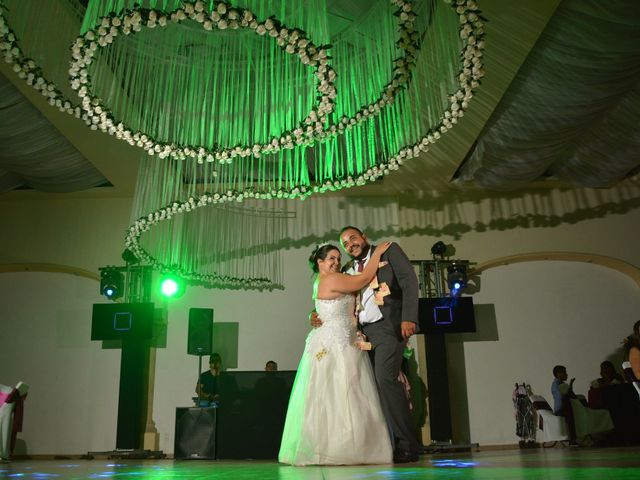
111 283
171 286
456 278
438 249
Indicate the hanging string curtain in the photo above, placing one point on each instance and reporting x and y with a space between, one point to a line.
214 90
197 90
226 245
154 85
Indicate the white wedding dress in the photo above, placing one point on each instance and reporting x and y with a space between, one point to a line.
334 415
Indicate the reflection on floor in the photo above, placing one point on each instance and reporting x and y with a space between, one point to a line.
539 464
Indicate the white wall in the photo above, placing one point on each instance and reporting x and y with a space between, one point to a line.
45 316
81 232
44 341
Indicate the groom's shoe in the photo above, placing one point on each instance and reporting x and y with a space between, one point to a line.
401 456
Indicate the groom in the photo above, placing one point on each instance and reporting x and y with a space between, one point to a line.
388 315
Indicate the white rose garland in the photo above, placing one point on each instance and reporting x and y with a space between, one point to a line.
294 42
224 16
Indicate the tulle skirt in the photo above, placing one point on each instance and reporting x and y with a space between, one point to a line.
334 415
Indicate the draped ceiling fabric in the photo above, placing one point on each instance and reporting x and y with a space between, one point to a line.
573 110
33 153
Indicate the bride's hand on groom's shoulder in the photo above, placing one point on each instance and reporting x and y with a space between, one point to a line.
381 248
314 319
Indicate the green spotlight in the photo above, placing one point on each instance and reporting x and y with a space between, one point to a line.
171 286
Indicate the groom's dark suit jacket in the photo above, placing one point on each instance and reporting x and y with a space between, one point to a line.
399 275
400 305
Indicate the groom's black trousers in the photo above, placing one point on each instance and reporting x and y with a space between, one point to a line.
386 358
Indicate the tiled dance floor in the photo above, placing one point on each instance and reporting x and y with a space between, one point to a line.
538 464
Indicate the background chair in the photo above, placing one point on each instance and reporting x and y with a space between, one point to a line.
590 422
554 428
10 398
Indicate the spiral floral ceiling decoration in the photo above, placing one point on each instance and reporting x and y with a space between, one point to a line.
257 100
375 124
292 106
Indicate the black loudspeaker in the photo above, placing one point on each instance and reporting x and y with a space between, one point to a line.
446 315
113 321
195 436
200 331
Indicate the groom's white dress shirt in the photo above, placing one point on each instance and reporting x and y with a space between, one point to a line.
369 311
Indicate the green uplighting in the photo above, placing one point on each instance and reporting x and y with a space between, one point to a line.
171 287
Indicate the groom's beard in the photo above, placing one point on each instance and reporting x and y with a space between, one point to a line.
363 253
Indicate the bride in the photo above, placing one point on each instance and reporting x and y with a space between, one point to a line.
334 415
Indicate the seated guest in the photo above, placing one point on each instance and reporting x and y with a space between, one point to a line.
559 388
271 366
562 392
272 388
207 387
272 394
583 423
608 376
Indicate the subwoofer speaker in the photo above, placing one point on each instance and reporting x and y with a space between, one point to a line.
195 435
200 334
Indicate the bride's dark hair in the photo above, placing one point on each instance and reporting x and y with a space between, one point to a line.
320 253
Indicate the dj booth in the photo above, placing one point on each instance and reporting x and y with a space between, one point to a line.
246 423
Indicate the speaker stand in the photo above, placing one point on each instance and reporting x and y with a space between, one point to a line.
198 375
132 396
438 388
439 403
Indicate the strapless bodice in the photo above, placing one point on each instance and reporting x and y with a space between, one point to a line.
339 309
338 323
